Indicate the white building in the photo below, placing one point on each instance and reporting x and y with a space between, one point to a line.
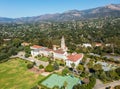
74 58
57 53
60 54
35 50
86 45
108 45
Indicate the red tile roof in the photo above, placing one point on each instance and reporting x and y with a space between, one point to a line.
36 46
59 51
48 49
74 57
98 44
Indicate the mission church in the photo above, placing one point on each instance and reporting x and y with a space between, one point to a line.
57 53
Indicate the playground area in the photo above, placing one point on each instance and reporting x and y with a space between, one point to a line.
59 80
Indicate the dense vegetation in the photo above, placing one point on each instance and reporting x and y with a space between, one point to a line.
105 31
90 85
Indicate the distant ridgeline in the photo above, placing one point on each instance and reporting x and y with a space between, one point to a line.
112 10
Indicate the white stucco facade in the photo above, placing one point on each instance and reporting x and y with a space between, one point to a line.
60 56
68 62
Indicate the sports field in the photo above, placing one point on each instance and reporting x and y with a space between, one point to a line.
15 75
58 80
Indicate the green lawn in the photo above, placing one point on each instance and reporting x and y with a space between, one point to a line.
43 59
15 75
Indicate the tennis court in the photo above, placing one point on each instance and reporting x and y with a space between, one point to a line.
58 80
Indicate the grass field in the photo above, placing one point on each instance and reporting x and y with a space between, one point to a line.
58 80
15 75
43 59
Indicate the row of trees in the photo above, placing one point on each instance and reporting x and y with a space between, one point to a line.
10 48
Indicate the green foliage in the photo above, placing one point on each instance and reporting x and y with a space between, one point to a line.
35 87
60 62
117 87
27 55
12 51
49 68
55 87
46 59
27 49
41 67
65 71
56 66
72 65
47 34
30 65
80 67
86 86
112 74
103 76
107 76
118 71
3 56
97 67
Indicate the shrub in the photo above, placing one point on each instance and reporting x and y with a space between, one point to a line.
41 67
29 66
65 71
118 71
49 68
35 87
117 87
27 55
56 66
55 87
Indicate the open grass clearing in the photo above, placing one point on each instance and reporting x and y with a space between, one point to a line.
15 75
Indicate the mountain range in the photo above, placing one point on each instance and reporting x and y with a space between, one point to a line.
112 10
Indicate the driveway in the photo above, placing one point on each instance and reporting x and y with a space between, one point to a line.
100 85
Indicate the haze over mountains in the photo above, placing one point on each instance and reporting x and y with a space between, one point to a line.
112 10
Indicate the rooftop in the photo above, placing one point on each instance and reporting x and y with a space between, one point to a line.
47 49
74 57
36 46
60 51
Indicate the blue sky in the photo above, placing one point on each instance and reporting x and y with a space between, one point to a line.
23 8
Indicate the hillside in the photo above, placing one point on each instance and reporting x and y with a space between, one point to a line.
112 10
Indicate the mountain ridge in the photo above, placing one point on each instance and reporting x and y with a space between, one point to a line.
112 10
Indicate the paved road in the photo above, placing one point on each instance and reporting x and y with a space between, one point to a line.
116 58
38 62
100 85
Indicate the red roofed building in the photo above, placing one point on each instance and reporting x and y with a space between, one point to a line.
98 44
46 52
35 50
36 47
60 54
57 53
73 58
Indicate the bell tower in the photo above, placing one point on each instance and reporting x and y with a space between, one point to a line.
63 43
